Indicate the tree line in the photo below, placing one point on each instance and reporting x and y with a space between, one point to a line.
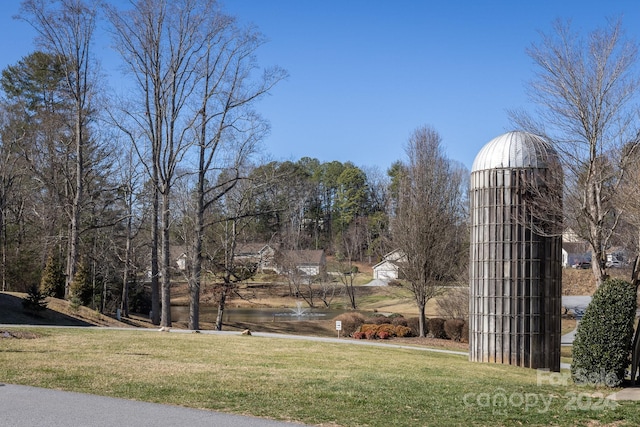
97 187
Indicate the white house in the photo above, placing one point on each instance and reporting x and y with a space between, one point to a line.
307 262
388 268
260 254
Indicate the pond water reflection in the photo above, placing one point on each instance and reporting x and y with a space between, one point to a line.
255 315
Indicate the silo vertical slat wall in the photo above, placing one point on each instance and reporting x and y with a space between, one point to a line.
515 275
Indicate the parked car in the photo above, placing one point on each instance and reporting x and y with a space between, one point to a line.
615 264
584 265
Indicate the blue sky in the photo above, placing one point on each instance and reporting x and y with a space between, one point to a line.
365 74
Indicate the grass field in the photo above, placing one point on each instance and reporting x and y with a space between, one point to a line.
317 383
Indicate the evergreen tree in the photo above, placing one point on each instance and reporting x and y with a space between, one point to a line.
52 281
35 301
81 284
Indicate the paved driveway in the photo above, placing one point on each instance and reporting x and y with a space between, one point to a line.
22 406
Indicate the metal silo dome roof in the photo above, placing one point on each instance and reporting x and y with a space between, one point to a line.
515 150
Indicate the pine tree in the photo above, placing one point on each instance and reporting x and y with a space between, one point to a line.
80 288
52 280
35 300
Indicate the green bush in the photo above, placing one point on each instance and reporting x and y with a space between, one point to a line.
603 340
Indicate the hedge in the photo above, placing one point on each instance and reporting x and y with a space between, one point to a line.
603 341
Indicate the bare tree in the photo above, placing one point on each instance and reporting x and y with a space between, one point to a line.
584 88
226 130
65 29
162 46
12 173
353 240
428 226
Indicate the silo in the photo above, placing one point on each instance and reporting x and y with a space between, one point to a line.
516 252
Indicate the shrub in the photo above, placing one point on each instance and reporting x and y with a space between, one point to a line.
436 327
388 328
368 327
358 335
404 331
383 335
465 333
380 319
351 322
371 334
414 324
603 340
396 283
453 329
399 321
454 304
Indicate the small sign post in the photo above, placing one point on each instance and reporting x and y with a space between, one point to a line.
338 327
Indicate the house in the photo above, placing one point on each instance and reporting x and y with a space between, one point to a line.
178 255
307 262
389 267
260 254
181 261
574 253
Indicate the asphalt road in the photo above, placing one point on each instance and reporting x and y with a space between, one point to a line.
22 406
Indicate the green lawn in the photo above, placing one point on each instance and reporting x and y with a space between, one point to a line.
311 382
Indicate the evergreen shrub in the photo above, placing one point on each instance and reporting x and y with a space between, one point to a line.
603 340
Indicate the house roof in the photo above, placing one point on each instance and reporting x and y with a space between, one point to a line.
176 252
388 262
251 248
305 257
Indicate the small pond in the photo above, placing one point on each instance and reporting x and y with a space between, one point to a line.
256 315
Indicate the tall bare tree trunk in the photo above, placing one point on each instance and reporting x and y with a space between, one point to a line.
124 302
155 271
165 319
221 305
72 260
196 268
